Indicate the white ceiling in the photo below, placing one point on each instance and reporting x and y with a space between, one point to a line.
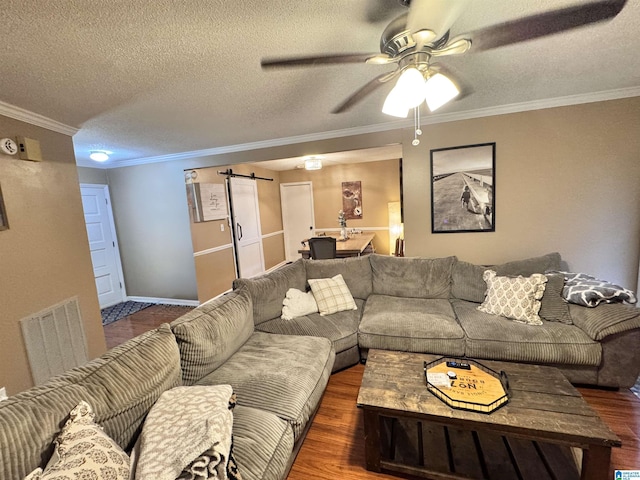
156 78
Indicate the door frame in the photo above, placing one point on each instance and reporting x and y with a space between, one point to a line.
285 221
112 226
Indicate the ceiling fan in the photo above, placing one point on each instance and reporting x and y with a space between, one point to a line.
417 37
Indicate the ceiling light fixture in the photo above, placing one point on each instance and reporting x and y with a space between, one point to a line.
99 155
412 89
313 163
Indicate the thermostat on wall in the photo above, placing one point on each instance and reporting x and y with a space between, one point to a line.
8 146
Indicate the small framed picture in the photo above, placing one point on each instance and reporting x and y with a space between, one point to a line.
463 189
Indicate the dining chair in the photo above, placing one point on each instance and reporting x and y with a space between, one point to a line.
322 247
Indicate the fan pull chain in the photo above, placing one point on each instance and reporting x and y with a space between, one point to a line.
416 123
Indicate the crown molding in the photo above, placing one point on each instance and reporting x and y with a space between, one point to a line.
381 127
36 119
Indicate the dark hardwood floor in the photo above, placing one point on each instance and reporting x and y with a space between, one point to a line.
334 447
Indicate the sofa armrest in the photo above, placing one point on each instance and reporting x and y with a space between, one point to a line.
606 319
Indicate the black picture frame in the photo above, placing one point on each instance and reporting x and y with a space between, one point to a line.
4 223
454 171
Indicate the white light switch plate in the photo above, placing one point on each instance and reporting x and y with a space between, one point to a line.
3 394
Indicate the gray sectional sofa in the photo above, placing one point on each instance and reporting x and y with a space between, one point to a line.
279 368
278 379
429 306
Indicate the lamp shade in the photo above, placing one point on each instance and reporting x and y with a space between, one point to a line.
439 90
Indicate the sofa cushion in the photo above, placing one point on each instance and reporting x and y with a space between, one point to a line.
517 298
210 334
553 307
268 291
497 338
605 320
356 272
341 328
282 374
467 282
262 443
121 386
124 383
412 277
332 295
411 325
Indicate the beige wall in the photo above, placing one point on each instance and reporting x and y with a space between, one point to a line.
44 256
567 180
215 270
380 185
99 176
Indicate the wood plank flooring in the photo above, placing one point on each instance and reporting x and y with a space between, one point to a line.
334 447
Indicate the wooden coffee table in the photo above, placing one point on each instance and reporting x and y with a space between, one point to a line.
546 430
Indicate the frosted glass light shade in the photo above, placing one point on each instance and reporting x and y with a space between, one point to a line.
411 87
99 155
313 163
394 104
439 90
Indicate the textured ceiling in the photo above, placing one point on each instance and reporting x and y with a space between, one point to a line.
147 78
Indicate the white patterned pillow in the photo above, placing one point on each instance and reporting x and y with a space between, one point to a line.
332 295
297 304
514 297
83 450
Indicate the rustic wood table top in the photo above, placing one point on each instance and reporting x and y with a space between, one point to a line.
543 403
352 246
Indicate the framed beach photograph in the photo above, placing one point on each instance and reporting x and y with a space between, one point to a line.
463 189
4 223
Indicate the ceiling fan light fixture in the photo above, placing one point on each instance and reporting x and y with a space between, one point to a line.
99 155
411 86
394 105
313 163
439 90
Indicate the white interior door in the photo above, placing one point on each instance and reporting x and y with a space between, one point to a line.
298 218
102 244
246 226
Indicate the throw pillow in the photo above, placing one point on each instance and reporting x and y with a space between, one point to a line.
298 304
553 307
201 417
332 295
83 450
589 291
517 298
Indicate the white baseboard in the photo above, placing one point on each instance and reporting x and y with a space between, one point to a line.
165 301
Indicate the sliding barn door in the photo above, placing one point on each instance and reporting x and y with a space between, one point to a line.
246 227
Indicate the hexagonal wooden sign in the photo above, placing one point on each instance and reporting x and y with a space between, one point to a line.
466 384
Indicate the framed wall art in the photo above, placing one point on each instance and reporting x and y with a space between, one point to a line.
4 223
463 189
352 199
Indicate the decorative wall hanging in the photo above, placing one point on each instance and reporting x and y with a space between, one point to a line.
463 189
352 200
4 223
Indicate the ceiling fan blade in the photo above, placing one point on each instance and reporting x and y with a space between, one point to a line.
454 47
317 60
544 24
366 90
436 15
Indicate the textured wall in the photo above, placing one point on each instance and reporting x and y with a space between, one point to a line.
44 256
567 180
